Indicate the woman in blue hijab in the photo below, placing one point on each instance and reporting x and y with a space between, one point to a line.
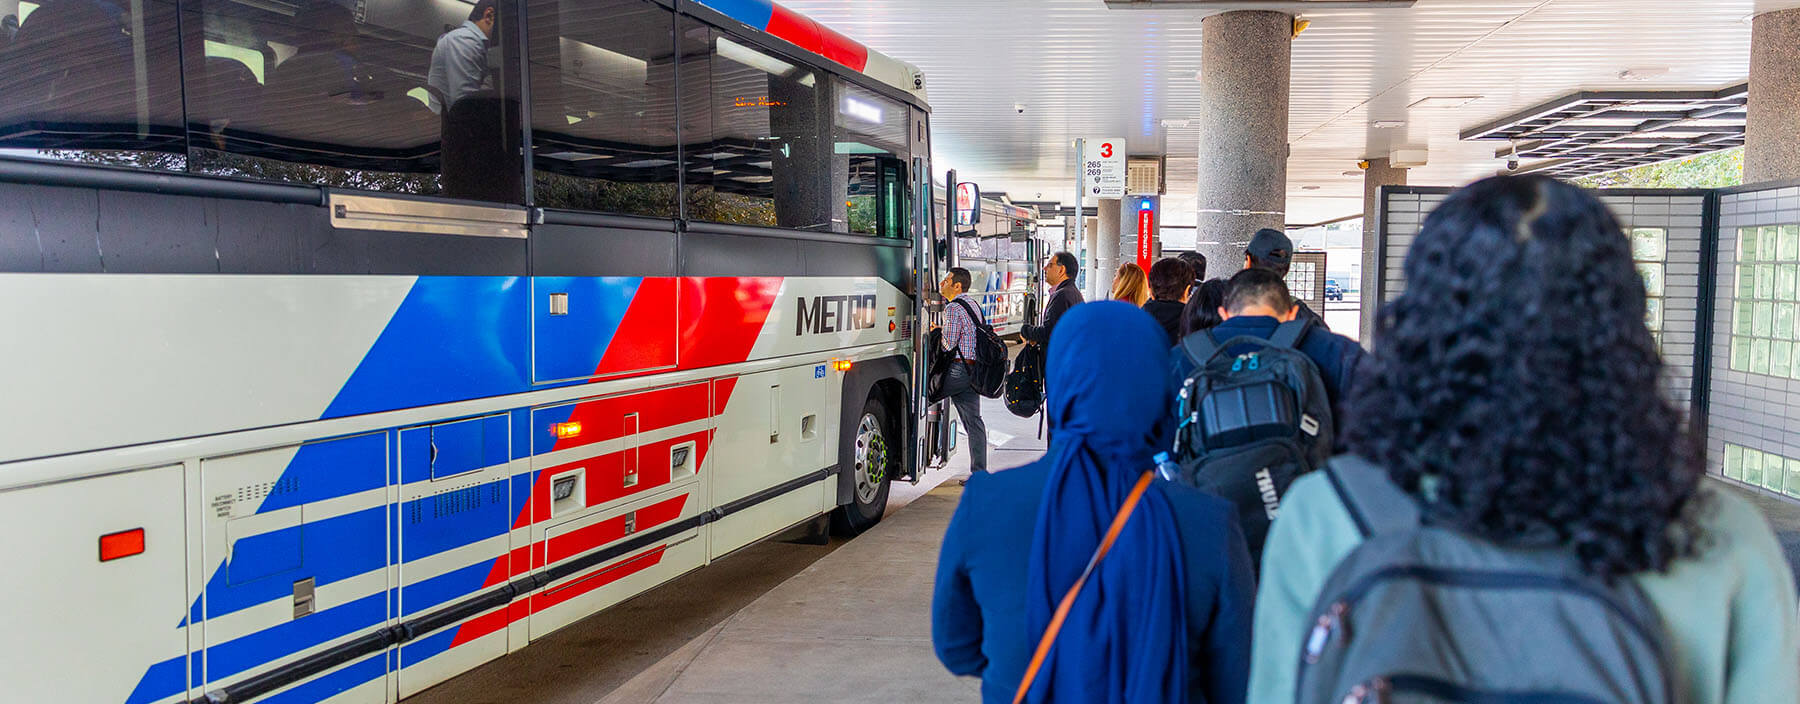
1165 617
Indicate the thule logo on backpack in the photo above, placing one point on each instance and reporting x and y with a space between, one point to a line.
1265 483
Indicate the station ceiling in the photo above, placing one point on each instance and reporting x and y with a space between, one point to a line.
1365 81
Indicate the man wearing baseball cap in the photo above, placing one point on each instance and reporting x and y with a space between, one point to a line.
1271 249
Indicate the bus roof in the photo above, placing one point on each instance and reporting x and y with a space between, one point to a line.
766 16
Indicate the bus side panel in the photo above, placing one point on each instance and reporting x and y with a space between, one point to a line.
78 629
298 543
454 519
774 430
605 470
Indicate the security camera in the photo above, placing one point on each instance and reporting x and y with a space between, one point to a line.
1512 164
1019 108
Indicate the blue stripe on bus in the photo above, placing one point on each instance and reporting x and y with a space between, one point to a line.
277 642
755 13
453 338
334 683
570 346
521 433
327 470
164 679
430 646
332 550
452 519
521 493
444 587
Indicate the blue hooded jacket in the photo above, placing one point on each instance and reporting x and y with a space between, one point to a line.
1166 616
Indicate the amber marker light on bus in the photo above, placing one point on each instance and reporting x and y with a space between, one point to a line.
842 365
121 544
567 430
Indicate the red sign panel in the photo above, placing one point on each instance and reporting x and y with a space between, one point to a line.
1146 233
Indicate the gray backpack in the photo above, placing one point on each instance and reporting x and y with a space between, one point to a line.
1419 613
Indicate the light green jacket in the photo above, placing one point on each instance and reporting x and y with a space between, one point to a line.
1729 613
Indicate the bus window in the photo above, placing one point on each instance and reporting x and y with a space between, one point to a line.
382 95
759 158
603 106
868 132
94 81
893 201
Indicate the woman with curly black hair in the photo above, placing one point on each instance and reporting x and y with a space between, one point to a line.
1514 393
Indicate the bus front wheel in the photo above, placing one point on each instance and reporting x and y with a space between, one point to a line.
874 458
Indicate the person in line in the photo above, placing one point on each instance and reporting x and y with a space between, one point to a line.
1198 262
1171 280
1202 309
1131 285
1165 615
1059 273
960 310
1257 302
1547 430
1271 249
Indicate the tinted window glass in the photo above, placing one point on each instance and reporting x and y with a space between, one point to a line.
95 81
382 95
868 143
761 158
603 106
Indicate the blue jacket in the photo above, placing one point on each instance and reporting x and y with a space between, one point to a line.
978 607
1336 356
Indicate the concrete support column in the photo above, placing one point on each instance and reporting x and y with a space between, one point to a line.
1243 116
1106 260
1379 174
1772 132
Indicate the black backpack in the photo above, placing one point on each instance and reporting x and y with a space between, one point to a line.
1251 422
1425 613
1025 383
989 373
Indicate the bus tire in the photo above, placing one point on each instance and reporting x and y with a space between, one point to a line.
874 458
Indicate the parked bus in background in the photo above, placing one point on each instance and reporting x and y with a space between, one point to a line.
351 346
1002 255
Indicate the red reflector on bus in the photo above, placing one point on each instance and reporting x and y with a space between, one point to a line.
122 544
567 430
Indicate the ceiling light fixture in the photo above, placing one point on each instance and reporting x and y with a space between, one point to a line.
1642 74
1176 123
1388 124
1444 102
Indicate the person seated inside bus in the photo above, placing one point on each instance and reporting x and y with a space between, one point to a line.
71 61
333 90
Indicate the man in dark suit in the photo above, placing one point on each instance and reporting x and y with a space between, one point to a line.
1060 273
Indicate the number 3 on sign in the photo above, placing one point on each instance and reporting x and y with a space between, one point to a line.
1106 150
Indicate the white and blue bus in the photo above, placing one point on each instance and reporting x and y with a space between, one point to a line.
349 345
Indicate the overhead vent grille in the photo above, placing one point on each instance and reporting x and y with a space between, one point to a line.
1144 175
1596 132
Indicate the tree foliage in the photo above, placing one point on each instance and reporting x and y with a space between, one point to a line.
1714 170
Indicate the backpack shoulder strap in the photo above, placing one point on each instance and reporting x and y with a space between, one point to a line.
1068 600
1200 347
1376 506
1290 333
974 317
